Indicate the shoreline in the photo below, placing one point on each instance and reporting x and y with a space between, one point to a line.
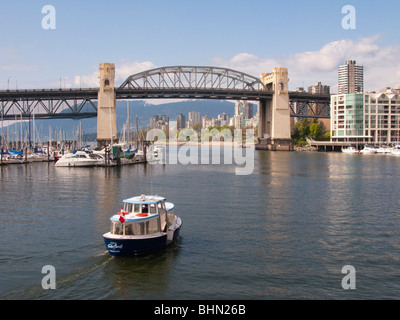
193 143
228 143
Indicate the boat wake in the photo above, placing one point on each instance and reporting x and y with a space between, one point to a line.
67 285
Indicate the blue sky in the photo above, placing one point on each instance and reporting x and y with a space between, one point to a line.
252 36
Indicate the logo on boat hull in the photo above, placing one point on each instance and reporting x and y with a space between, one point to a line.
114 247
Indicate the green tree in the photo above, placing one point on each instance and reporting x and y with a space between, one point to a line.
197 127
315 130
226 126
300 131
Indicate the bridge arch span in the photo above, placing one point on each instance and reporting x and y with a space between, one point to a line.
193 77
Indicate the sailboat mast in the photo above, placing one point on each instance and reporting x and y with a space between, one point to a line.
127 120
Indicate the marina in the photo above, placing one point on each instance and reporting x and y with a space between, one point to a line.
110 156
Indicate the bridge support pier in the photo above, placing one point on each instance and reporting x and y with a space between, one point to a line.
274 115
106 108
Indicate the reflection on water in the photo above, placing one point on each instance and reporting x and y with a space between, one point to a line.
283 232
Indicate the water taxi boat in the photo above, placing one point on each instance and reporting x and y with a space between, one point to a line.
144 225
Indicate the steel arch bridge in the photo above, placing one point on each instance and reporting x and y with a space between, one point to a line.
192 77
185 82
193 82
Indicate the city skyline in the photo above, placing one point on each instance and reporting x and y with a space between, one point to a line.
307 38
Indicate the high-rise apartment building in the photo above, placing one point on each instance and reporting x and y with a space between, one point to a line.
223 118
153 121
180 121
351 78
194 117
319 88
159 122
243 112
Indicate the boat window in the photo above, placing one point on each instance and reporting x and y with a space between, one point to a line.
153 226
128 229
153 208
95 156
163 222
171 217
146 227
161 208
128 207
136 207
145 209
136 229
116 228
139 228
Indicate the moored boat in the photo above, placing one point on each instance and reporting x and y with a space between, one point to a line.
144 225
78 159
350 150
368 150
384 150
396 151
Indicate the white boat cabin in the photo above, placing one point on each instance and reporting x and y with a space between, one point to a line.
143 215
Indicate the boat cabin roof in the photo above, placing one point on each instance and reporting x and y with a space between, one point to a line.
149 214
144 199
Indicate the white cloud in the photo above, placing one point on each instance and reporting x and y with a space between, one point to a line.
122 71
86 81
381 64
248 63
126 69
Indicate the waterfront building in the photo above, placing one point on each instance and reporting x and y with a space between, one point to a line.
159 122
350 78
318 88
180 122
223 118
153 120
365 117
194 117
243 112
205 122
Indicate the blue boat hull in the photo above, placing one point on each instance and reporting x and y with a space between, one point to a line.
135 247
176 233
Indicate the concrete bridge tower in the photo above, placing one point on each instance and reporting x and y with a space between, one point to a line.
106 108
274 114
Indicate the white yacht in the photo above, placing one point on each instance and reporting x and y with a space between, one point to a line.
350 150
384 150
78 159
368 150
396 151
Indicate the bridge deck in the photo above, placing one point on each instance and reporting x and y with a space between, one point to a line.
50 102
